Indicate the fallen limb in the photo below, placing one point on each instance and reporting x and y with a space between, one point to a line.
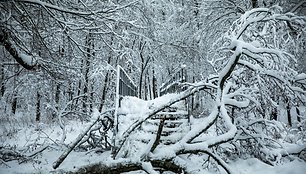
41 149
72 145
128 166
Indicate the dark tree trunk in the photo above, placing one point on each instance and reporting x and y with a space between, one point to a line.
2 90
274 114
104 91
254 4
38 107
196 12
78 92
87 104
298 114
57 99
140 84
14 103
154 85
144 64
289 115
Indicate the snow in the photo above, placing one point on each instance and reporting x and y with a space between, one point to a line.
148 168
27 59
133 108
46 135
254 166
300 77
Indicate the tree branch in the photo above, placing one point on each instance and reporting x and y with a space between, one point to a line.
27 61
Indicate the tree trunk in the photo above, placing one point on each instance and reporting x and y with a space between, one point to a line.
87 104
57 99
289 114
144 64
2 90
254 4
154 85
140 84
298 114
14 102
38 107
104 91
274 114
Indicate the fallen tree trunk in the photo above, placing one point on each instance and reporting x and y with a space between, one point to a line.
72 145
127 166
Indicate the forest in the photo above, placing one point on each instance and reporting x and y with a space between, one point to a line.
153 86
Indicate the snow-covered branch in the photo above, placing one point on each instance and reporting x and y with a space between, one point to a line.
76 12
27 61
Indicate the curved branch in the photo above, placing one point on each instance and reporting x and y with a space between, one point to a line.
218 159
27 61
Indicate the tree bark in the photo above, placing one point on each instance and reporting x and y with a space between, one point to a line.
37 119
2 90
14 102
128 166
289 114
15 53
298 113
104 91
154 85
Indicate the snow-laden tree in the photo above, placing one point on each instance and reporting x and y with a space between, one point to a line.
73 45
252 62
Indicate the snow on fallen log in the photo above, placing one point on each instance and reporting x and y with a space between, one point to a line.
96 116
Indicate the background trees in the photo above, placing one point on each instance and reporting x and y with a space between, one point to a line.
58 59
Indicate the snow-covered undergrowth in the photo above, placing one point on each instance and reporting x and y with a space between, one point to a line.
28 140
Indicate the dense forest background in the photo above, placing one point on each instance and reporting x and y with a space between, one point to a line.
58 63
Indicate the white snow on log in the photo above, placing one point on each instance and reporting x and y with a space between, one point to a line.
27 59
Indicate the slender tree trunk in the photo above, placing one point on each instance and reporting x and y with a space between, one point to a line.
79 90
70 94
57 99
14 102
288 112
154 85
2 90
147 86
140 84
38 107
196 13
144 64
106 80
274 114
298 114
87 104
104 91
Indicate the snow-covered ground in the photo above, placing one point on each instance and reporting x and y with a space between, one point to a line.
30 139
43 164
254 166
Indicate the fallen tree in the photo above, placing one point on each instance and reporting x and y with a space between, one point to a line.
248 69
